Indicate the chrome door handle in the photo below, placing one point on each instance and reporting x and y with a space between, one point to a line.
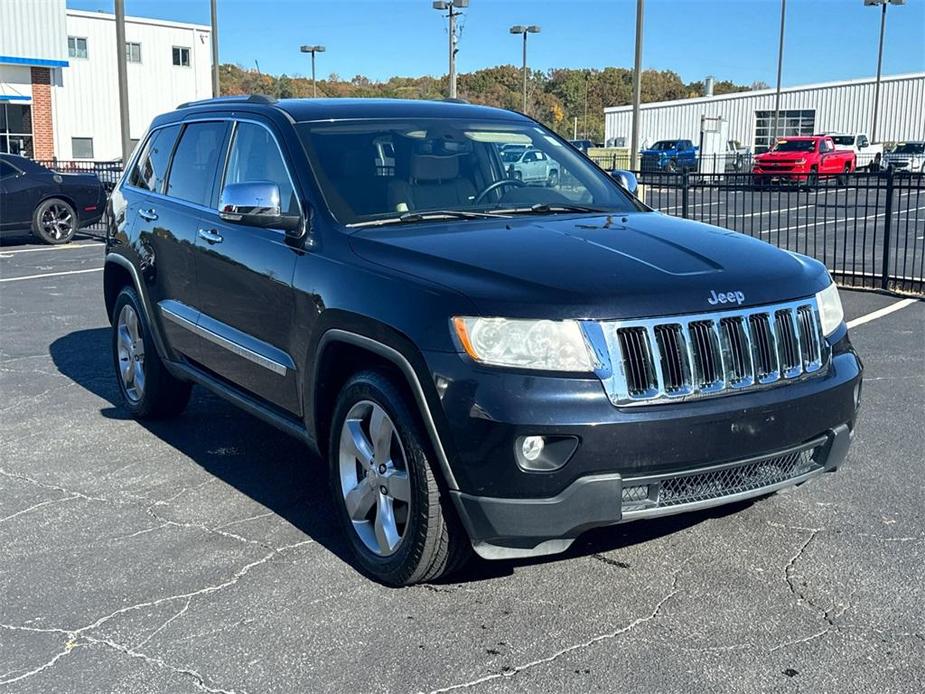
210 236
148 215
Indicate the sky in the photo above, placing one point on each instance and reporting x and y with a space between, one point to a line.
826 40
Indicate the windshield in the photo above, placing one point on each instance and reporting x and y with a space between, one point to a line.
795 146
452 167
843 140
663 145
911 148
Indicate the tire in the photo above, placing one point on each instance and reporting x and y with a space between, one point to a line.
843 178
395 541
671 166
553 180
813 179
147 388
54 221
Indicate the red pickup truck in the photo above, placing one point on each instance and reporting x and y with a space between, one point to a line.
803 159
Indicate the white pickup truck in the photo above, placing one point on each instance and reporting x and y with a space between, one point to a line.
869 155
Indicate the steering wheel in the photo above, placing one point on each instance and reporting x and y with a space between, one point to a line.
496 185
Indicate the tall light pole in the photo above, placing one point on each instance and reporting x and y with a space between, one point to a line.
883 3
452 7
122 70
216 90
637 86
313 50
780 68
522 29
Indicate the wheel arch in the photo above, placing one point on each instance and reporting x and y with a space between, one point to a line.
342 352
119 272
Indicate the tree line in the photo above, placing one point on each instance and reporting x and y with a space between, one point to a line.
563 99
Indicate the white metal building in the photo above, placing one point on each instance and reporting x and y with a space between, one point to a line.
59 81
835 106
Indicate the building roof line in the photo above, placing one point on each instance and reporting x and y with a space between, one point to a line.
766 92
152 21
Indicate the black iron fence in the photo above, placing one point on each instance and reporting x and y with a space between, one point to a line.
107 171
730 162
868 229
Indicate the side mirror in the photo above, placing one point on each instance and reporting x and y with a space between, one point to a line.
257 204
627 179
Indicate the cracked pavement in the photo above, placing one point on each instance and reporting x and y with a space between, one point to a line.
199 554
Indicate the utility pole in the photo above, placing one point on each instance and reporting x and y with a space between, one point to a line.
123 82
883 3
780 69
587 80
313 50
216 89
637 87
453 6
522 29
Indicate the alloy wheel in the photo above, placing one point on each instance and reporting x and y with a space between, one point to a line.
131 353
57 221
374 478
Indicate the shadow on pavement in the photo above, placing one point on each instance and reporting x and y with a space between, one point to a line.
281 474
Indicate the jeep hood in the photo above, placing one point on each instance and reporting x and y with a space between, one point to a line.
591 266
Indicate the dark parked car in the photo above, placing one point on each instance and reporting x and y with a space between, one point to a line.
54 205
483 364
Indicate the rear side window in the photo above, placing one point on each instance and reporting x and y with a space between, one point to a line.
195 162
6 170
254 156
151 168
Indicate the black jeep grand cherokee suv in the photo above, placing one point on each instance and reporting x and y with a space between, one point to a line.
483 363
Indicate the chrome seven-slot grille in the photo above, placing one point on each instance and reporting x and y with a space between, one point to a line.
684 357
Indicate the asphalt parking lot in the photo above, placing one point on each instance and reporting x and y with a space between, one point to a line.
199 554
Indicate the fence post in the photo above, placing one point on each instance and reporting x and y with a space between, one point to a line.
887 229
685 190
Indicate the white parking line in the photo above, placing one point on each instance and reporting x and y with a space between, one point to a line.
880 313
50 274
70 246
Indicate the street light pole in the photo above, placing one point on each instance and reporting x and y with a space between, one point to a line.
522 29
453 6
637 87
780 67
313 50
122 70
873 126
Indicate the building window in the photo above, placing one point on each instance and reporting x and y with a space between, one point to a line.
76 47
181 56
16 129
132 52
82 147
790 124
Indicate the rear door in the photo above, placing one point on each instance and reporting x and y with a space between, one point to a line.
169 204
245 278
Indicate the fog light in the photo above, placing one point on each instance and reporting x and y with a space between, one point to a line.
543 453
532 447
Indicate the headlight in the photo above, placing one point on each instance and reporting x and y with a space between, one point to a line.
525 344
831 313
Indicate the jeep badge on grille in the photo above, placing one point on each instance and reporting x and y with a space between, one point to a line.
725 298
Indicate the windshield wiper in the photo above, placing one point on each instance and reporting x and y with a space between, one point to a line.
425 215
551 208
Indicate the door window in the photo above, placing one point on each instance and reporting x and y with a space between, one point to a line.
255 156
151 167
192 171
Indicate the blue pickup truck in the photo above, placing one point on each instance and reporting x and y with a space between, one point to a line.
670 156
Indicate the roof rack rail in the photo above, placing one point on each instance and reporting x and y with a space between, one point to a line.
455 100
236 99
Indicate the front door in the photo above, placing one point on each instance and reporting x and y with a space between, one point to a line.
245 280
19 195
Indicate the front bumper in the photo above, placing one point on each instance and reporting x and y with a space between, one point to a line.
511 512
516 528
